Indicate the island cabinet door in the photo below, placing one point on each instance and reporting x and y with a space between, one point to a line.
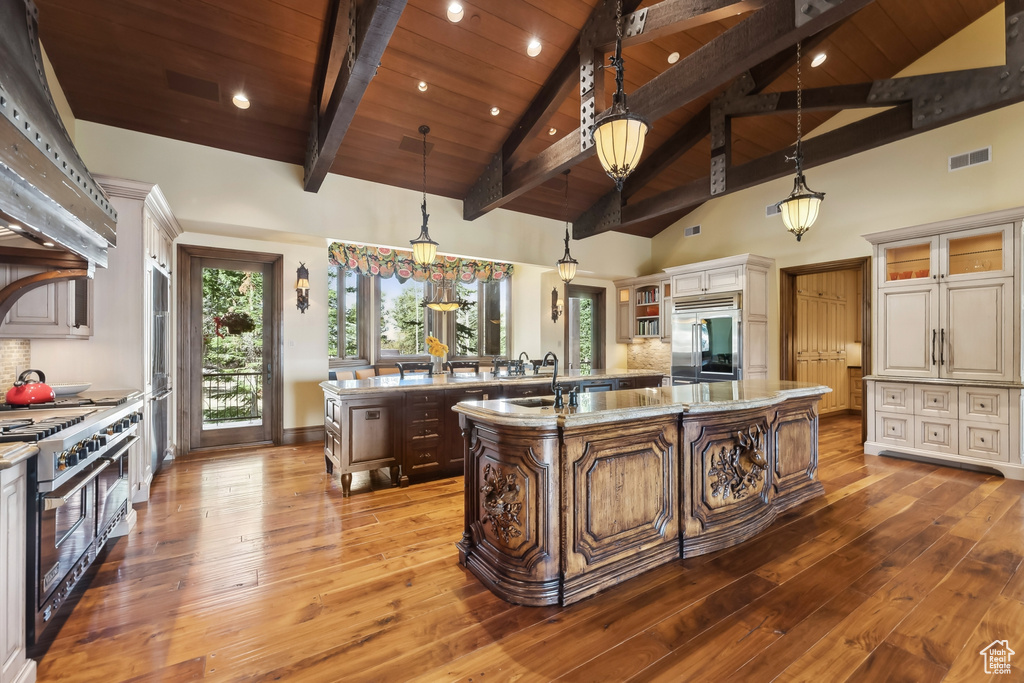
453 460
621 502
726 491
795 450
511 536
370 432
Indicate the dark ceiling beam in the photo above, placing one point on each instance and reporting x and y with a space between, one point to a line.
919 104
755 39
699 127
375 21
335 46
667 18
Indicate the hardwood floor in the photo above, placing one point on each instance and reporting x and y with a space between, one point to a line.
249 565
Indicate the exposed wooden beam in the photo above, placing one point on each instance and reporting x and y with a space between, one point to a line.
61 260
755 39
669 17
336 48
964 99
375 22
554 91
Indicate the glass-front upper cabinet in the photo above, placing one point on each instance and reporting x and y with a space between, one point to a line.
912 261
977 253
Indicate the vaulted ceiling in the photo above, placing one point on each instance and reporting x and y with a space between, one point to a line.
170 68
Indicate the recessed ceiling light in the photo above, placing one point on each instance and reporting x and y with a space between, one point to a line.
422 86
455 12
819 59
240 101
533 49
15 227
552 131
673 58
47 244
495 111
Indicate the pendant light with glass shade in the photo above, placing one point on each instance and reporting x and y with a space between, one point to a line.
424 249
566 264
800 209
618 133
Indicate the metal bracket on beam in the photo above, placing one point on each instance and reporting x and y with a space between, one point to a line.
633 25
486 191
351 36
754 104
809 9
718 174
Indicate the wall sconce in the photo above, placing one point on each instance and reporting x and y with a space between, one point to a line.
302 287
557 306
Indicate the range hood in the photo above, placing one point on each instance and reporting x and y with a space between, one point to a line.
44 186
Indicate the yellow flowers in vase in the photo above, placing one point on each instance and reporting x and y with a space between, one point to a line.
435 347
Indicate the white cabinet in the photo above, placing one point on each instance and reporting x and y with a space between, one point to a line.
14 665
707 281
947 345
623 313
60 310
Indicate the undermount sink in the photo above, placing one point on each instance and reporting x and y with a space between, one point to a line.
533 402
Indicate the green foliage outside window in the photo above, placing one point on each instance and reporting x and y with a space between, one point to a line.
232 363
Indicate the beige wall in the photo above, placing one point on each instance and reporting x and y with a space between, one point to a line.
904 183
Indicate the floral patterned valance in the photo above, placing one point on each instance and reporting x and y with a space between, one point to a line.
387 262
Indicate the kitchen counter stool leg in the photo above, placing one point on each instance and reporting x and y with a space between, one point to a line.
346 484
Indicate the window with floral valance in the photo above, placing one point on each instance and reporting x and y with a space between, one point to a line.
372 321
387 262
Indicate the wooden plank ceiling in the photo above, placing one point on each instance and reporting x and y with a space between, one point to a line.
171 68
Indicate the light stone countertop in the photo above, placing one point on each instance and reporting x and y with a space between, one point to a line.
632 404
463 380
12 454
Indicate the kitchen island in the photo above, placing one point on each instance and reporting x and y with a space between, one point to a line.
562 503
407 425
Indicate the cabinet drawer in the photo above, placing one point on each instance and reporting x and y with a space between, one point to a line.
420 397
935 434
423 412
423 457
895 429
423 429
625 384
982 404
332 413
856 401
985 440
894 398
935 401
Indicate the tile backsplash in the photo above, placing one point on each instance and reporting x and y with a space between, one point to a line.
649 354
15 355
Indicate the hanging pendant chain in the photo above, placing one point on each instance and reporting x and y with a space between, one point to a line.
618 20
424 168
799 98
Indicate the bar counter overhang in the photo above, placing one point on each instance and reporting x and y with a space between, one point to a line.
561 504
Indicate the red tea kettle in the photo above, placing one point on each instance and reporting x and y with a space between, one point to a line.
26 391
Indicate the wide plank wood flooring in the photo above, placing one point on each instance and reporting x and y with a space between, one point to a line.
249 565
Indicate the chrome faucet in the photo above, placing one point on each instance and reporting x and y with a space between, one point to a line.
521 366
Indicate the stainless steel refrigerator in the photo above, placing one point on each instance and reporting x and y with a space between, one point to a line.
706 339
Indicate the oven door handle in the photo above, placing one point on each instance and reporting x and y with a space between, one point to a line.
122 448
54 502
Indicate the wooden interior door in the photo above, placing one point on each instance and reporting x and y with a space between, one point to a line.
823 327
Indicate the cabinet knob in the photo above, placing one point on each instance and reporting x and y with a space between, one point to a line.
983 439
981 405
935 434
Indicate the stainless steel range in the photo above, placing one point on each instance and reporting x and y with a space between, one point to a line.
81 490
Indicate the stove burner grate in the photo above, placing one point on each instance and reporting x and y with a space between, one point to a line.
27 429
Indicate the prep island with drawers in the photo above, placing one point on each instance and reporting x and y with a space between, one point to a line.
946 384
407 425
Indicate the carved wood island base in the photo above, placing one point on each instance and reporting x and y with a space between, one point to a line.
561 504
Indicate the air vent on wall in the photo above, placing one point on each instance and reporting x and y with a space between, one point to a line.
978 156
772 210
690 232
414 145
